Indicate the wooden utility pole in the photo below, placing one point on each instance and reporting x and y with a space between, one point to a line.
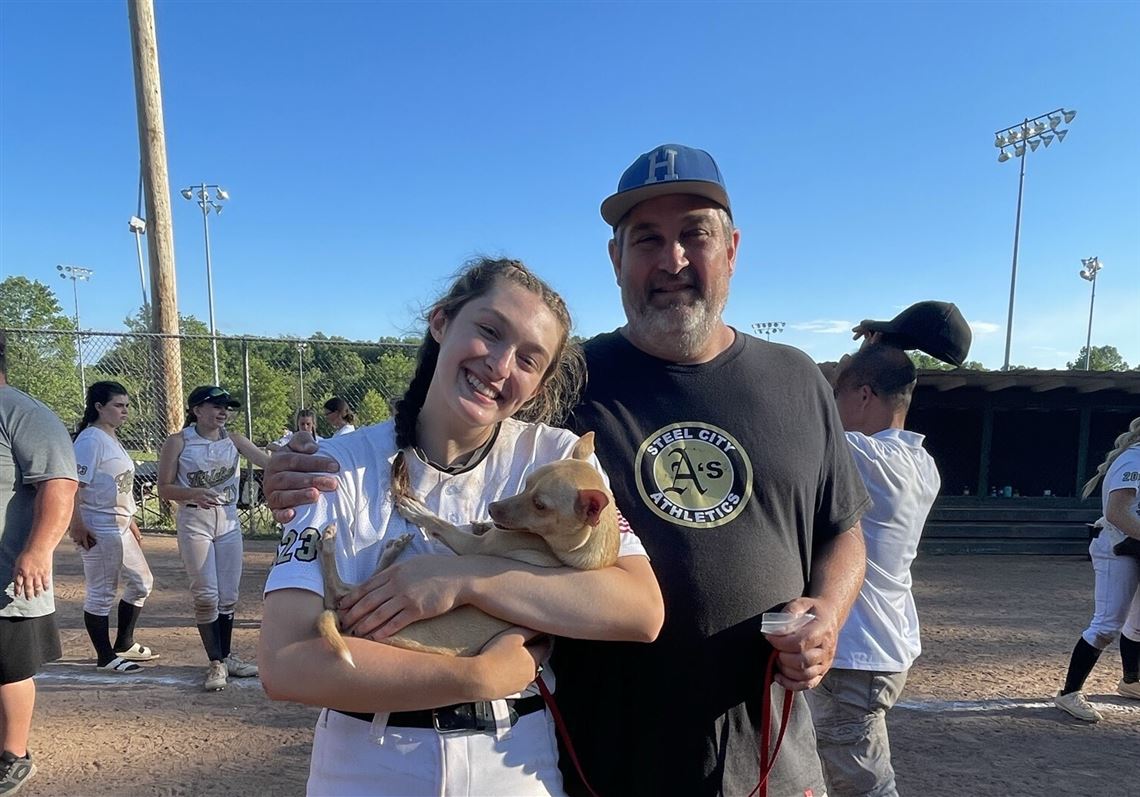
166 351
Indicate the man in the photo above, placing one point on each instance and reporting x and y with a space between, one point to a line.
37 493
727 456
880 639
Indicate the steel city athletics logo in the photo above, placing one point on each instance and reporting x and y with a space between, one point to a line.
693 474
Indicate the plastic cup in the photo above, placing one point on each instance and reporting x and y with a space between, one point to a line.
783 622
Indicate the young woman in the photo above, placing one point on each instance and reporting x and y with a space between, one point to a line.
1117 605
103 526
496 347
304 421
198 468
339 416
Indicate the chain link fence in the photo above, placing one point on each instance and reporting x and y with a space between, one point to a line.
272 377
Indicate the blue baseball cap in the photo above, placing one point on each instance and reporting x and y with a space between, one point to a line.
667 169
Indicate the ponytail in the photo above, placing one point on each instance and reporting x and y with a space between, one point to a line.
1126 440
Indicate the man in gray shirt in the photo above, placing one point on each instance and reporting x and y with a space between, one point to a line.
37 494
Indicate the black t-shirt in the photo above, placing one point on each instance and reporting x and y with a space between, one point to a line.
730 472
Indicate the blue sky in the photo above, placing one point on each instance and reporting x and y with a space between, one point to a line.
369 148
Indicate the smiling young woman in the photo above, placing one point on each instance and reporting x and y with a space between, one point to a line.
494 365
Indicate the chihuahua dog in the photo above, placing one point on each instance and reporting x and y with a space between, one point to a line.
565 515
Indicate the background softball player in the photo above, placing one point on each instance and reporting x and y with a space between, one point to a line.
198 468
104 528
1117 607
339 416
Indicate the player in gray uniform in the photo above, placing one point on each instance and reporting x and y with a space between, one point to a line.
198 468
103 526
37 492
1117 585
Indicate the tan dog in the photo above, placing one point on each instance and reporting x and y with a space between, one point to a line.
564 516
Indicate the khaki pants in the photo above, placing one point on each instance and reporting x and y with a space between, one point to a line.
849 710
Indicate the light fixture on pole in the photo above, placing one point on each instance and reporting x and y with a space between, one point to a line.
769 328
201 193
1033 132
77 274
138 227
1091 266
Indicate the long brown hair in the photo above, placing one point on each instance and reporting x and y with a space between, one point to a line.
561 383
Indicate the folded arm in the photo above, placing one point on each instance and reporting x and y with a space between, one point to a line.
297 665
618 603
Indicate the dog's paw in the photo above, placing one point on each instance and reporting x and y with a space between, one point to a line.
398 544
327 536
413 511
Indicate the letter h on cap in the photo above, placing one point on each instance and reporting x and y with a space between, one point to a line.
669 163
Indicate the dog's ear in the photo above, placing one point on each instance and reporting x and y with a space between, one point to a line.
584 447
590 505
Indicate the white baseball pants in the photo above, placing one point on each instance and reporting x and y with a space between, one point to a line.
209 541
1117 595
115 552
352 756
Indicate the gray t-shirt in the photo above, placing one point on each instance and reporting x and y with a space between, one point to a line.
34 448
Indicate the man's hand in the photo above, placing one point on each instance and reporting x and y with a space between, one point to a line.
31 575
292 478
416 589
869 337
82 537
806 655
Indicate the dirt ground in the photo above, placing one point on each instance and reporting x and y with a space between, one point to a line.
975 718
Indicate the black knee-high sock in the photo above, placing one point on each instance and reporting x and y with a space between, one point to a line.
98 628
226 632
128 617
211 640
1080 665
1130 659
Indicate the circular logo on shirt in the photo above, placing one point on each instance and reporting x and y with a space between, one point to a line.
693 474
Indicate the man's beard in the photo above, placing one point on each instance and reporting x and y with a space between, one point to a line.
682 328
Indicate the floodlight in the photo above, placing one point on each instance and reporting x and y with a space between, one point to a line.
1047 138
223 194
187 193
1003 157
1061 134
999 140
1069 116
1054 121
1034 144
1019 150
137 225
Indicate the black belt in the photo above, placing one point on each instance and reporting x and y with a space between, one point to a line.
460 717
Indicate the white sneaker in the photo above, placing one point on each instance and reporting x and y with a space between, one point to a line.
215 677
1076 705
239 668
1128 690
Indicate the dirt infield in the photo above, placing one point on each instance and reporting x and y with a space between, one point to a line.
975 717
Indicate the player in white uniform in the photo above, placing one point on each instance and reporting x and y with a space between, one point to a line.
103 526
339 416
1117 607
198 468
304 421
496 345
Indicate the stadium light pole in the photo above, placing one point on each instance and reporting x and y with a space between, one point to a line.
769 328
1023 138
1091 267
77 274
301 346
201 192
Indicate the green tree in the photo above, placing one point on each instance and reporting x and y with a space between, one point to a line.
922 360
373 408
43 363
1104 358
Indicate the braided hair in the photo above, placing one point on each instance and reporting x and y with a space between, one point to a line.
561 383
1126 440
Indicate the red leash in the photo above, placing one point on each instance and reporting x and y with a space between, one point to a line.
560 725
766 762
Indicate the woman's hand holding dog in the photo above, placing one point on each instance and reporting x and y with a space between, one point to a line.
806 655
510 661
415 589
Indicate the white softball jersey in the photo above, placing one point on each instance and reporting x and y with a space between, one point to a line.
1123 474
106 475
882 632
210 463
348 428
